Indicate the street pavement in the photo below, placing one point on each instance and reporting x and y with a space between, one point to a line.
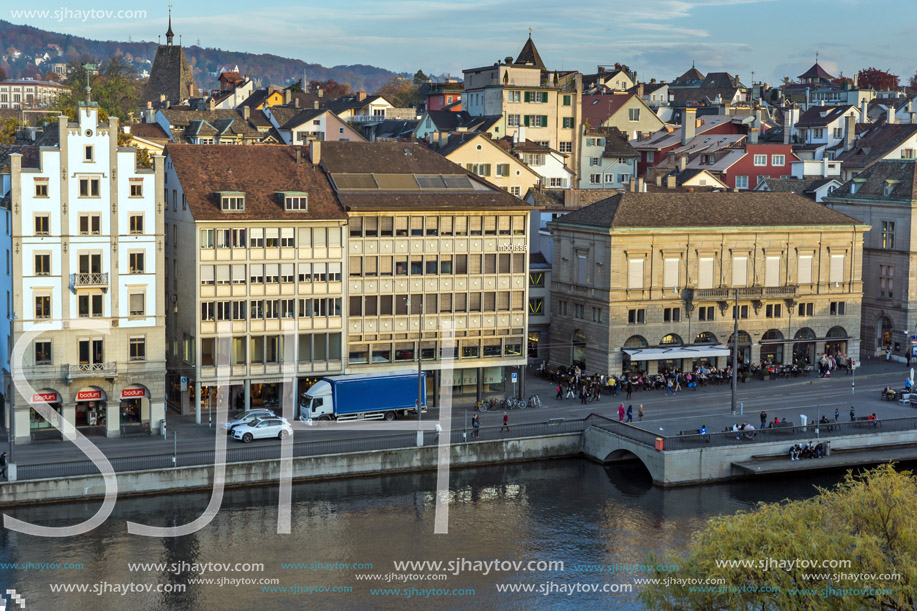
666 415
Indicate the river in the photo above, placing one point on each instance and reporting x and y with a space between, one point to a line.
571 511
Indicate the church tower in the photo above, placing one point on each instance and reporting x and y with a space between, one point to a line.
171 78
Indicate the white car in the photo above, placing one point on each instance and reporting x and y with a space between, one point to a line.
263 428
247 417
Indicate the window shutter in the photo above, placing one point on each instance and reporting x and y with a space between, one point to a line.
544 118
837 268
635 273
486 169
805 269
582 274
527 117
238 274
136 303
705 281
528 96
670 273
772 271
207 274
740 271
544 96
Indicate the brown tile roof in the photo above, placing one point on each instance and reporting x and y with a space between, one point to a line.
875 144
530 55
675 210
871 183
598 108
820 116
384 158
692 74
258 171
147 131
816 72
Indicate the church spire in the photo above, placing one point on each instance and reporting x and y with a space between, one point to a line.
169 34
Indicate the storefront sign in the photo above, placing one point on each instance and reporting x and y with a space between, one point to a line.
133 393
89 395
45 397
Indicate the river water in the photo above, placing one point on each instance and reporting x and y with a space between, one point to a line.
573 511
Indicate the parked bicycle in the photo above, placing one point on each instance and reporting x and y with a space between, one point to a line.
535 401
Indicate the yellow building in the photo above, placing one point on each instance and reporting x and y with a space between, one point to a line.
650 281
490 160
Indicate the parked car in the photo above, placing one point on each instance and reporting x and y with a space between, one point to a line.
247 417
263 428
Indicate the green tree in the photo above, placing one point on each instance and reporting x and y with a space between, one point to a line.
420 78
296 87
870 520
400 92
115 88
8 130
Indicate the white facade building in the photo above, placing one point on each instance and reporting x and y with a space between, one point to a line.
87 231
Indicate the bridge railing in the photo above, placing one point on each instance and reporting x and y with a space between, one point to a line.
791 434
638 435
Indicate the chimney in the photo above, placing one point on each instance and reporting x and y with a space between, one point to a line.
658 180
319 92
296 102
298 156
670 182
640 90
162 98
315 105
824 166
864 107
361 95
641 187
753 136
682 163
287 96
807 98
633 185
891 115
850 131
246 112
688 125
315 152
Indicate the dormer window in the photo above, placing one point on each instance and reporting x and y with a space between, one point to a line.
232 201
889 187
295 201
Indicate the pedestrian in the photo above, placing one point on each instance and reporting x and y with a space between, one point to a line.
763 418
621 413
837 414
853 415
560 392
668 387
582 395
640 413
3 465
505 426
438 429
630 413
888 354
475 425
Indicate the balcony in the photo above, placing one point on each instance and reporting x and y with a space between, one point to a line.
93 370
751 292
85 281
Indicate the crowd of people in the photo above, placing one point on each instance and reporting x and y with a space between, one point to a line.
571 383
809 450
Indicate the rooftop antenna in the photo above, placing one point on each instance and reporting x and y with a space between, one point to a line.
530 33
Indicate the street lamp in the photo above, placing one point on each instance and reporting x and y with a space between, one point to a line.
735 350
419 403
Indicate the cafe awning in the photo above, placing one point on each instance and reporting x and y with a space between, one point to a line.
680 352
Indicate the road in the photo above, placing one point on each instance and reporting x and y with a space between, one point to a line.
667 415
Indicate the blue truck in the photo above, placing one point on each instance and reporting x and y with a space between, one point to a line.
363 397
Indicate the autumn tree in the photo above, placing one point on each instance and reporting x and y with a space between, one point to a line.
331 88
880 80
400 92
868 520
2 74
115 88
8 129
294 87
912 85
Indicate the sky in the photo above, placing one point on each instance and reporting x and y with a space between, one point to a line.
658 38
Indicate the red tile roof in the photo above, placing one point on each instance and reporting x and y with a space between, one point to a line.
597 108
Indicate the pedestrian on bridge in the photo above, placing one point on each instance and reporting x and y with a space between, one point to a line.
505 426
763 418
630 413
853 415
837 414
640 413
621 413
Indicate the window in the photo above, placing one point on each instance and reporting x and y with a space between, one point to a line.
633 114
516 190
772 271
256 239
137 189
567 99
778 160
742 311
838 308
888 234
741 182
671 314
760 160
595 179
135 224
818 133
536 120
705 266
805 269
43 265
137 349
567 123
773 310
908 153
706 313
512 120
594 161
230 203
135 262
272 237
740 271
87 153
536 305
297 203
42 224
513 96
636 317
635 273
89 187
136 304
650 156
42 353
479 169
502 169
41 189
579 310
90 224
805 309
596 314
609 178
837 269
670 273
887 281
42 306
